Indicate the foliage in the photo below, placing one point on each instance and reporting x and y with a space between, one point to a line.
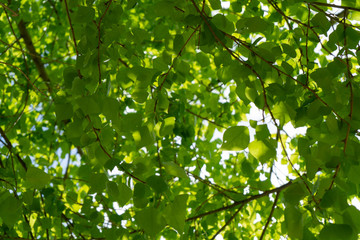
111 113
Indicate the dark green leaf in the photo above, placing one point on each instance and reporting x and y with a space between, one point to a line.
175 213
150 220
336 232
157 183
37 178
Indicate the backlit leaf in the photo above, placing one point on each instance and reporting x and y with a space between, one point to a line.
173 169
262 150
235 138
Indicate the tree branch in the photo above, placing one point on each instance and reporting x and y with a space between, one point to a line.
10 147
335 6
204 118
245 201
34 55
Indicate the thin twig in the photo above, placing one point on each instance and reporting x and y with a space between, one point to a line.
228 221
270 216
10 147
109 156
14 14
204 118
27 78
335 6
72 29
307 47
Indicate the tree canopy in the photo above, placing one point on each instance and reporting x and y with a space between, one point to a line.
130 119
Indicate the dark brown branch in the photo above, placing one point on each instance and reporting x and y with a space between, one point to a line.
245 201
123 62
276 7
14 14
270 216
10 147
34 55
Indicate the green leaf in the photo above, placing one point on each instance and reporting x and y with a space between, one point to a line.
336 232
69 74
98 182
37 178
112 189
143 137
235 138
173 169
351 216
10 209
254 24
175 213
157 183
215 4
151 220
289 50
202 59
63 111
222 23
89 105
334 198
167 126
84 14
141 192
294 222
78 87
295 193
110 108
262 131
124 194
262 150
178 43
247 169
320 21
163 102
